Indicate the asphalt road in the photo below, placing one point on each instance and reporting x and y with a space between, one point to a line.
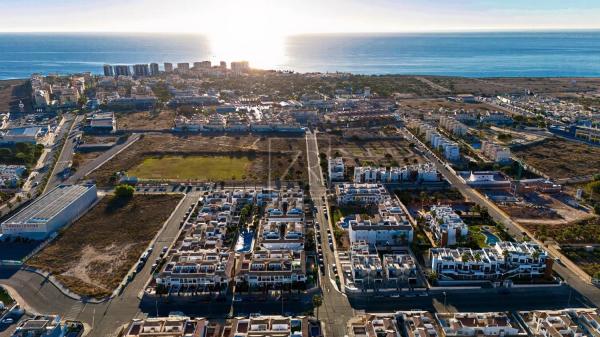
336 310
66 155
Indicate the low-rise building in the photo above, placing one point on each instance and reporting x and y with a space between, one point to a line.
51 211
272 269
101 122
272 326
495 152
30 134
368 270
453 126
41 326
447 227
480 324
411 173
373 325
419 324
504 259
10 175
568 322
336 169
361 194
172 326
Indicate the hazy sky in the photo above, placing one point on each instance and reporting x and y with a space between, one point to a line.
295 16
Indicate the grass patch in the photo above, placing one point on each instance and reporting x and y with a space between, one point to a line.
213 168
94 254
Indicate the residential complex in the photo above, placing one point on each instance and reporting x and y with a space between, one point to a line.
446 226
336 169
480 324
348 193
501 261
449 149
383 175
495 152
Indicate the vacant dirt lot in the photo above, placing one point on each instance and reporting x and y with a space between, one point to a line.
582 232
146 120
288 155
393 152
560 158
11 91
93 255
495 86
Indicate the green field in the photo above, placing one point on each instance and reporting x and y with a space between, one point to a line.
213 168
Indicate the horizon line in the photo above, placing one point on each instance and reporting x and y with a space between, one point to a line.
448 31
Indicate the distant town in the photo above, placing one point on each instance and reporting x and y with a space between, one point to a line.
204 200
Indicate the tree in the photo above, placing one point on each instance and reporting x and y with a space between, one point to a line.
317 301
124 191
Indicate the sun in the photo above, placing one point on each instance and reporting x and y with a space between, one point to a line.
252 32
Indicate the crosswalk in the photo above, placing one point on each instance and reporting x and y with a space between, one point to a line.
74 312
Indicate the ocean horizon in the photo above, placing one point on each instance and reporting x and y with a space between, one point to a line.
469 54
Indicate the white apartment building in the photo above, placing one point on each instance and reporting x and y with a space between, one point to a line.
449 149
381 230
41 326
272 326
421 172
505 259
336 169
447 227
495 152
480 324
363 194
568 322
452 125
172 326
272 269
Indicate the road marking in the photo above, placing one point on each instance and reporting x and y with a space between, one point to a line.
74 311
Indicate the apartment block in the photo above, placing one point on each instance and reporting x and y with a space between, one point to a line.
336 169
505 259
411 173
272 326
447 227
495 152
419 324
567 322
453 126
172 326
362 194
368 270
480 324
41 326
271 269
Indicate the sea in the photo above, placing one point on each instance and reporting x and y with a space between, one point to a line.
481 54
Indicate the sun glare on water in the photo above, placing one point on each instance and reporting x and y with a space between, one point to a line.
250 33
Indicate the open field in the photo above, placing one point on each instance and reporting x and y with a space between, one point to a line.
392 152
581 232
517 85
560 158
288 156
207 168
437 103
11 91
146 120
589 261
94 254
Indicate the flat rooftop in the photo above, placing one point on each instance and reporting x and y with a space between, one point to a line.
50 204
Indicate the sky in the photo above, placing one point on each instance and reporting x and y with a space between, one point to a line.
288 17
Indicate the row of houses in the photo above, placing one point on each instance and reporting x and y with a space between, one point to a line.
411 173
500 261
575 322
255 326
449 149
232 122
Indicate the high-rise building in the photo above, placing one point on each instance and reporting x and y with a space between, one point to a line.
154 69
223 65
168 67
108 70
141 70
203 64
240 67
122 70
183 66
